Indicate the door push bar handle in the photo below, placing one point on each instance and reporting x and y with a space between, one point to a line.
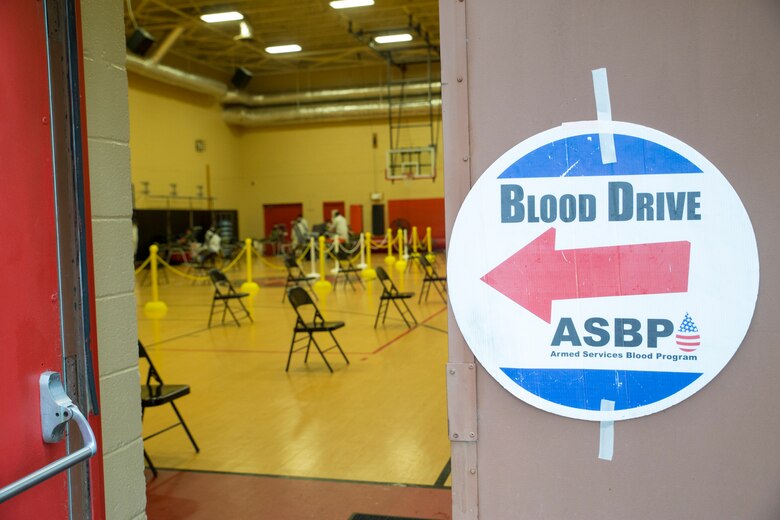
56 410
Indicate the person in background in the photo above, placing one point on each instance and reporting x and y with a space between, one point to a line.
338 225
300 232
305 223
211 248
213 241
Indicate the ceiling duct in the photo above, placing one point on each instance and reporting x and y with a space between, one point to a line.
323 113
335 105
176 77
322 96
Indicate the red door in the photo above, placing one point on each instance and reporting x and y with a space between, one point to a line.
45 313
329 207
279 215
356 218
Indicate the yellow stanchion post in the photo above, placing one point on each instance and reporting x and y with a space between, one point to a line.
390 259
430 256
415 246
155 309
322 286
400 264
368 272
249 287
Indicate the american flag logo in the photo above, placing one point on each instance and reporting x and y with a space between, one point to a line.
688 335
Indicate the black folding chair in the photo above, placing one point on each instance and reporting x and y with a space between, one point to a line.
347 269
391 294
431 278
156 393
295 276
309 322
224 292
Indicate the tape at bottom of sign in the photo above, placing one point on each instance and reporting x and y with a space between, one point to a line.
606 432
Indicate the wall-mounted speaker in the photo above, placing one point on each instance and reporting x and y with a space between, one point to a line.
140 42
241 78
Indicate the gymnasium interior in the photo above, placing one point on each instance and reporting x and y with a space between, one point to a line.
389 259
225 134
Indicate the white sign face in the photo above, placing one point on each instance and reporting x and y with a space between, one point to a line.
582 286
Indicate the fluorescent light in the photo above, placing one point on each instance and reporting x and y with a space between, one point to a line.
281 49
346 4
393 38
244 31
229 16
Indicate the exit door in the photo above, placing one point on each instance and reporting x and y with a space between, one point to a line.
48 385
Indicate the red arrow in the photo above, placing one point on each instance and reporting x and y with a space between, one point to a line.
538 273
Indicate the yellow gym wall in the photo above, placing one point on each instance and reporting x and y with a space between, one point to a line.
165 122
251 167
337 162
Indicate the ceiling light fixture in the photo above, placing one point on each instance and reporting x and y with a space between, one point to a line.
282 49
346 4
228 16
393 38
244 31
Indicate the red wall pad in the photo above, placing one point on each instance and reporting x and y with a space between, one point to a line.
422 213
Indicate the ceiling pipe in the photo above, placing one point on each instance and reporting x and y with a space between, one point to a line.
321 96
323 113
335 105
166 44
176 77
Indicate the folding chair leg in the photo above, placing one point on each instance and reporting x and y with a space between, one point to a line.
246 311
184 425
401 312
289 356
409 311
228 309
322 354
308 347
441 290
150 464
379 311
211 316
338 346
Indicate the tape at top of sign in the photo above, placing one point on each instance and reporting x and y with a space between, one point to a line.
603 281
604 113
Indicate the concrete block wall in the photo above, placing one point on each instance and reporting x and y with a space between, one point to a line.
109 162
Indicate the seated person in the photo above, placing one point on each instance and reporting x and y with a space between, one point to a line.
212 246
338 226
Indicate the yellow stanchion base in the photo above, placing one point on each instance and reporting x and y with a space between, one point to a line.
251 288
430 257
155 310
368 274
400 265
322 287
389 260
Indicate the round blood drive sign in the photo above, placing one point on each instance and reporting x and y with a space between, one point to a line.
603 286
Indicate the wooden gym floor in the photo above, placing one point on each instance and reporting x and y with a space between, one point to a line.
369 438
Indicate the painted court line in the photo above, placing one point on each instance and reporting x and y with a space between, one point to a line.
251 351
426 320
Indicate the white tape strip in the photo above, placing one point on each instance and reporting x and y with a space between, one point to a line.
604 113
606 432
